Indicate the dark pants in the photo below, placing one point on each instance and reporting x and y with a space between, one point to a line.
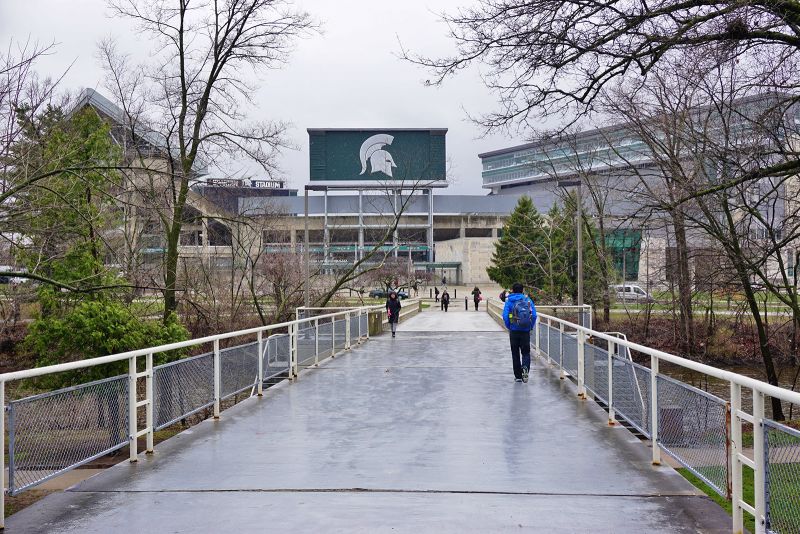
520 341
476 305
445 305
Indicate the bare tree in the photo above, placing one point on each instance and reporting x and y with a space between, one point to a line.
188 102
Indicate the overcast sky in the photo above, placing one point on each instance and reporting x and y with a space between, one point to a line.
348 77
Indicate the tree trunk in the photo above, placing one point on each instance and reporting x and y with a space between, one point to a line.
684 283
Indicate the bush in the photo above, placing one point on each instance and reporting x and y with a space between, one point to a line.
92 329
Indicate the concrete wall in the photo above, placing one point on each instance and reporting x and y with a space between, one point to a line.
474 253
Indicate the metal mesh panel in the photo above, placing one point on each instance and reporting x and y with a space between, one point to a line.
276 355
238 368
306 345
553 344
60 430
692 428
632 393
325 340
782 451
341 333
595 371
181 388
570 349
364 320
353 329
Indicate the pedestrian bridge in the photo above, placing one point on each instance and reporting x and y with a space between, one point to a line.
427 432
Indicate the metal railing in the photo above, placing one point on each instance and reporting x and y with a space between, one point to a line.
701 431
57 431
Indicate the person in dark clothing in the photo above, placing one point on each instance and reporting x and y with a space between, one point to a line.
476 297
445 300
504 295
519 315
393 310
436 293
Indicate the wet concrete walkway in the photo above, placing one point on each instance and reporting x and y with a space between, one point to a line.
427 432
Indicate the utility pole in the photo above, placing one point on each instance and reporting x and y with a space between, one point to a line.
579 240
307 285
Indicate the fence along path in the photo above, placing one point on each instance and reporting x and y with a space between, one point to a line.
702 432
425 432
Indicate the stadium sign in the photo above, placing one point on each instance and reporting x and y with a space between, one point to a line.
377 155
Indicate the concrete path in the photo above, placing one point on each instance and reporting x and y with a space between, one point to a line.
436 320
427 432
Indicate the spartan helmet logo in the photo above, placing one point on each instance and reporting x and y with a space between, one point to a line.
379 159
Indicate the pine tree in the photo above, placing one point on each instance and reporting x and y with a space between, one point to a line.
518 252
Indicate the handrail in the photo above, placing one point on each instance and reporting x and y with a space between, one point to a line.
735 417
746 381
101 360
134 375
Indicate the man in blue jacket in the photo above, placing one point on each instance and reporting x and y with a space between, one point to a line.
519 314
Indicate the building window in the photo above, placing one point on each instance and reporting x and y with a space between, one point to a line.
478 232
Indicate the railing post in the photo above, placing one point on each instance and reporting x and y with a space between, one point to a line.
132 412
295 348
217 379
260 387
358 318
347 331
654 410
563 374
612 416
581 356
737 494
3 456
316 341
759 478
149 406
549 328
333 337
536 328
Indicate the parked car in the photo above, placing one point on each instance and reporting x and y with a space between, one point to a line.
630 293
384 294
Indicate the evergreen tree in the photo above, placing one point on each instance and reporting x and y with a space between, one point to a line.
518 252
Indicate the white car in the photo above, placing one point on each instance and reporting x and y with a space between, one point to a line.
630 293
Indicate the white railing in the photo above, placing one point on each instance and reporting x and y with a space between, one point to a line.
701 431
243 368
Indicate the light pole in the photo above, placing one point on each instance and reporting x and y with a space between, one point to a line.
306 286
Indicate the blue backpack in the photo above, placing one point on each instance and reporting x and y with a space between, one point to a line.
521 314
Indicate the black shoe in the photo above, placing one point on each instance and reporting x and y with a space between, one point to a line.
517 380
525 374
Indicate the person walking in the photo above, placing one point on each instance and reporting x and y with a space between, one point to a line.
393 311
504 295
436 293
476 297
519 315
445 300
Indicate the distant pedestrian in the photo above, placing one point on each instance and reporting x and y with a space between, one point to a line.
393 311
519 315
476 297
436 293
504 295
445 300
444 280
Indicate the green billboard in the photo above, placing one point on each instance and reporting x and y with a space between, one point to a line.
377 155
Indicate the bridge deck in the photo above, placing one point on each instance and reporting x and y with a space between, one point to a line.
426 432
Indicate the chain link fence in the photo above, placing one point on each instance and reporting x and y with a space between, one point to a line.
631 391
595 371
182 388
782 460
693 428
340 331
306 345
58 431
238 368
277 355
